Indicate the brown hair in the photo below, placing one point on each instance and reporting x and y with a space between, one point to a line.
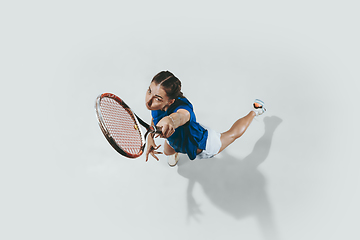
170 83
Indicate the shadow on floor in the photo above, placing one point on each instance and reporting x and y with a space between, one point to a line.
234 185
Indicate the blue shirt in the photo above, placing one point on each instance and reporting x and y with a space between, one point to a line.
188 137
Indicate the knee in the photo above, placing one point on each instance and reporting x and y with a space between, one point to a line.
166 153
228 138
169 151
232 136
236 133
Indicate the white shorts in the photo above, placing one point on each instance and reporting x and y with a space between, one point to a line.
213 144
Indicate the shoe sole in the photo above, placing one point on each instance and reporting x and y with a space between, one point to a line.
258 101
259 104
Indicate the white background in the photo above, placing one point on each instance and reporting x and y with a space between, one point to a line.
293 175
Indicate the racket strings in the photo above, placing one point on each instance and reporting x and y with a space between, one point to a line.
121 126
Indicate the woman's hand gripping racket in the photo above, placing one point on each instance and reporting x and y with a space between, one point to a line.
121 126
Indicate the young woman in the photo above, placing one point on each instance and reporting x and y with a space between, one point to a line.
174 113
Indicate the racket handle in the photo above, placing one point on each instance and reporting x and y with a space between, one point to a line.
153 129
157 129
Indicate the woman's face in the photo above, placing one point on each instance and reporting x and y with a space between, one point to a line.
156 98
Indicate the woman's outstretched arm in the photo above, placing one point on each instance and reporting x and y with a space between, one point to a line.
173 121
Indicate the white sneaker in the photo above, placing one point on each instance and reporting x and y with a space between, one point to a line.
258 107
173 159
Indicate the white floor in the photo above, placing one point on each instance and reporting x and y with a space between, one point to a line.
293 175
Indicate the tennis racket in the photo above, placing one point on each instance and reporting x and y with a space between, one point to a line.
121 126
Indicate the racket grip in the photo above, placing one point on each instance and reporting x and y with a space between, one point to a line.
153 130
157 129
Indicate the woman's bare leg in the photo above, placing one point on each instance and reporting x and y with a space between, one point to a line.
236 131
168 150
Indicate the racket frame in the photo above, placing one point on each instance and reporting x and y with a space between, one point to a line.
137 122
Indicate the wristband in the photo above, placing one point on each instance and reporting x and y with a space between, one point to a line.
172 120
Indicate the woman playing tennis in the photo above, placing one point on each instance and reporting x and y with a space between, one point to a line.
172 112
